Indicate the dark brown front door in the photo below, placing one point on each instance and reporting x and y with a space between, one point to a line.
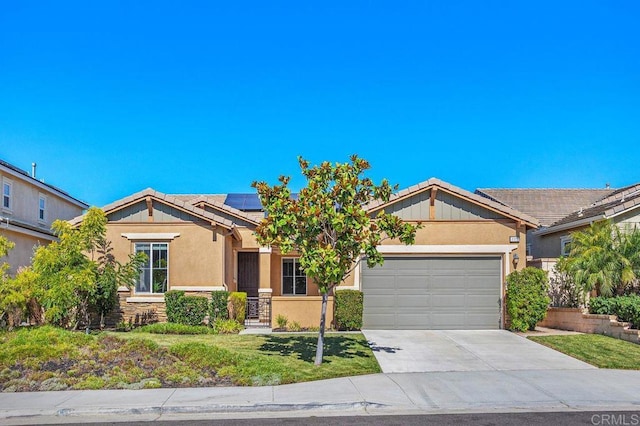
248 273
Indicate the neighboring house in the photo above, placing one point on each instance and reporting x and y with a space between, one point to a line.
453 277
563 211
29 207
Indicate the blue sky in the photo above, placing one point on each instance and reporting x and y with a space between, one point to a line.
204 97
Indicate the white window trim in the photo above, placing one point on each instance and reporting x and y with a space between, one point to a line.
151 293
8 182
564 241
42 197
150 236
294 294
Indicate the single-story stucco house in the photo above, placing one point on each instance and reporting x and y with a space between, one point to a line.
453 277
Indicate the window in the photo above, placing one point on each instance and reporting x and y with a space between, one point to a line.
294 280
7 189
42 206
154 272
565 245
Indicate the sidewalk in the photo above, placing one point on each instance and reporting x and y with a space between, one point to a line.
378 394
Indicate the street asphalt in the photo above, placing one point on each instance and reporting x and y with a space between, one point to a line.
461 372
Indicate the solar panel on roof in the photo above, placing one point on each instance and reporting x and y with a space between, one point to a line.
244 202
247 202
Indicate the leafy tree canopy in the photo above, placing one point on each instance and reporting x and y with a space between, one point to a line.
328 224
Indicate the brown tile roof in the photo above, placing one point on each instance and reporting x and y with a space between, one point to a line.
489 203
611 205
168 199
188 198
217 201
547 205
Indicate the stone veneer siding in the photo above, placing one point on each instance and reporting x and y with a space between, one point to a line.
141 313
575 319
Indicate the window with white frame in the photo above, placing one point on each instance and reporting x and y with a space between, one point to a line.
294 280
565 245
7 192
154 274
42 208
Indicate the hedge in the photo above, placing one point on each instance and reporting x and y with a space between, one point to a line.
219 308
626 308
237 306
173 304
349 305
187 310
527 298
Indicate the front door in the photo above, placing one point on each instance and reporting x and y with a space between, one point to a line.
248 279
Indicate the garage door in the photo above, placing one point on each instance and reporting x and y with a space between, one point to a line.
432 293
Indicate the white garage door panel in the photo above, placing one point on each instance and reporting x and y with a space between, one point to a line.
432 293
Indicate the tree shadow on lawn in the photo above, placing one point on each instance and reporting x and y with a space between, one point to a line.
304 347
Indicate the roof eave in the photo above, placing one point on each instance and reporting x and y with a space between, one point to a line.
569 225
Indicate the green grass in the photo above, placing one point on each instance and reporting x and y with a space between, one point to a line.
595 349
171 328
272 359
48 358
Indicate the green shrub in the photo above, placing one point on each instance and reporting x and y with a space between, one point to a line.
188 310
282 321
219 308
221 326
349 309
195 309
237 306
626 308
173 328
173 303
527 298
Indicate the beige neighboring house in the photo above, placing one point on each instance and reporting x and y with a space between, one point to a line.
28 208
453 277
563 211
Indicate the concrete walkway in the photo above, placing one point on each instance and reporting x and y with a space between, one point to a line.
408 393
406 351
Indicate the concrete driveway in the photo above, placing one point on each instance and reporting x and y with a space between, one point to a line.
409 351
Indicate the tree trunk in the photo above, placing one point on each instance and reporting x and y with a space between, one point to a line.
323 317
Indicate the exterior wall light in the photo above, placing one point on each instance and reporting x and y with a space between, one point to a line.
516 259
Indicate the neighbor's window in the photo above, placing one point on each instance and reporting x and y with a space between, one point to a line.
6 194
42 206
294 280
565 246
154 273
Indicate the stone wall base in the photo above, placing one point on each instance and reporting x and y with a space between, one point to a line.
575 319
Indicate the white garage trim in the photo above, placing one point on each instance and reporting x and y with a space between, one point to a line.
502 250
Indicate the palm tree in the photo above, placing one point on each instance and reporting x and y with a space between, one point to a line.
597 261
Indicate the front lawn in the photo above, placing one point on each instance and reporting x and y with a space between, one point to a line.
595 349
48 358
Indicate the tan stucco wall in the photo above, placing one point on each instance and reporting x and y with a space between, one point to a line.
304 310
195 259
480 232
22 252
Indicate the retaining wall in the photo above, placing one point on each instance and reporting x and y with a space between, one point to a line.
576 319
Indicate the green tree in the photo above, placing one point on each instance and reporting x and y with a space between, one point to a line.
598 260
78 272
328 224
11 301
